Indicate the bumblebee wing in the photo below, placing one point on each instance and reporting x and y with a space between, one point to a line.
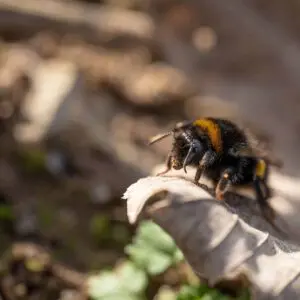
242 150
257 147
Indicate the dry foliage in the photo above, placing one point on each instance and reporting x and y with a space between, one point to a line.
218 243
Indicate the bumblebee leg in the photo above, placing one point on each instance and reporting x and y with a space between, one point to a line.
207 160
266 189
263 193
167 165
224 184
266 210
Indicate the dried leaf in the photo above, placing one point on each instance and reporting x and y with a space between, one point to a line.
218 244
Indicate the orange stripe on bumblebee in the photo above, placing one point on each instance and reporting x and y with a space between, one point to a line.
213 131
261 169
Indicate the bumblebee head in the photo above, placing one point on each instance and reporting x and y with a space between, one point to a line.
186 147
176 132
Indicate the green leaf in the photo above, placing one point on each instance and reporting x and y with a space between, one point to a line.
153 261
155 236
165 293
178 256
192 292
138 254
188 293
128 283
159 263
120 297
200 292
207 297
214 295
103 285
153 249
132 278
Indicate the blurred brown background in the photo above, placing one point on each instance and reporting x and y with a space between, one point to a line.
84 84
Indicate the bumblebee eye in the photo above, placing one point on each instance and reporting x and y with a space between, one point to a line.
197 146
182 125
194 149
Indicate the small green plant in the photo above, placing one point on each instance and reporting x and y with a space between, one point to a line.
199 292
128 283
152 252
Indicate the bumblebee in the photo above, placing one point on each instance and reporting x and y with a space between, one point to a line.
222 152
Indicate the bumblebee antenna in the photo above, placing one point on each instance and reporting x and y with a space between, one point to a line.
159 137
187 159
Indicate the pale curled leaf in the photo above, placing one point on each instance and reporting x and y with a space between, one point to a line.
217 243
